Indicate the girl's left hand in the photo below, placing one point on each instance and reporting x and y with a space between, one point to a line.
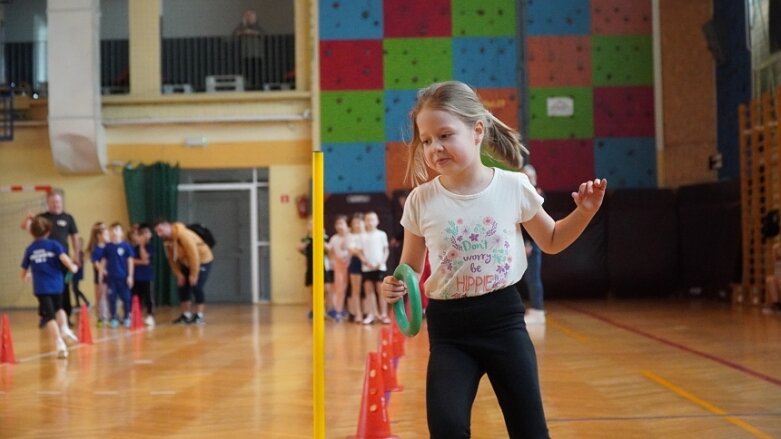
590 195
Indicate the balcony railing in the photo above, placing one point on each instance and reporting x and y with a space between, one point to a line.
188 65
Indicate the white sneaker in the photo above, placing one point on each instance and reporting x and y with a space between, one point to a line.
534 317
62 349
68 335
149 321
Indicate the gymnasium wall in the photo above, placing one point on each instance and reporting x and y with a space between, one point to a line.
376 54
689 99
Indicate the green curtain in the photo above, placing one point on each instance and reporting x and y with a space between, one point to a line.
151 193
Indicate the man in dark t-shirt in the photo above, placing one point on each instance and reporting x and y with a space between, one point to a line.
63 228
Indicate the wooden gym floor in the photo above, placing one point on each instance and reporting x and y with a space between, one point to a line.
609 369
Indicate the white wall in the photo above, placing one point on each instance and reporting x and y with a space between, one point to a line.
181 18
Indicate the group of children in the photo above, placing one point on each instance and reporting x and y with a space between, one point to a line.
355 262
119 267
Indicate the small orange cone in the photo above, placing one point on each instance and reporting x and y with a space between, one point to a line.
388 371
373 422
135 315
6 343
398 344
85 332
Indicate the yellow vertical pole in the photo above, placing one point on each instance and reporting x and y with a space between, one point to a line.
318 307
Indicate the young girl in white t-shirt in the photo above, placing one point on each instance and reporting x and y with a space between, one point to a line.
340 259
469 218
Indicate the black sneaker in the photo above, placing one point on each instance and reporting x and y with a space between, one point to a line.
181 319
196 320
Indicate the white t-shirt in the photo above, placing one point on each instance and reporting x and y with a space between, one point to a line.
338 244
375 243
474 241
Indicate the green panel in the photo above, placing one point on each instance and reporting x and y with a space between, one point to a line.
412 63
622 60
353 116
578 126
484 18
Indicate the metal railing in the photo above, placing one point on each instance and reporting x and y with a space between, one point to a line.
188 65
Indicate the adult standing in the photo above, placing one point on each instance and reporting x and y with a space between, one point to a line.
249 34
64 231
191 260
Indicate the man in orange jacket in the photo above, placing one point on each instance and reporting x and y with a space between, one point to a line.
190 259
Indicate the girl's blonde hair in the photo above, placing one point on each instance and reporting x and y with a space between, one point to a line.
462 101
94 235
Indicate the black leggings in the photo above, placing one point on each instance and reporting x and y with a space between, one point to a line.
143 289
475 336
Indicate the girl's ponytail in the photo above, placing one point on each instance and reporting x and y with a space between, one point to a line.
504 142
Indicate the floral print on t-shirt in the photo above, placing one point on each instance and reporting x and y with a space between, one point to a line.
476 259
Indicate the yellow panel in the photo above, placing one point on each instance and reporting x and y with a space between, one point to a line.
219 155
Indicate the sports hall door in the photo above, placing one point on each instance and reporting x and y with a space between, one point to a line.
233 204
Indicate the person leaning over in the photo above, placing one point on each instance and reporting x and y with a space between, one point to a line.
191 260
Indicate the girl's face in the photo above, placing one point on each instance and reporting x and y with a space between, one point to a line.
104 236
372 221
341 226
356 225
450 146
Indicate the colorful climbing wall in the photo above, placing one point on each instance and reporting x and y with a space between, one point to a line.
376 54
598 54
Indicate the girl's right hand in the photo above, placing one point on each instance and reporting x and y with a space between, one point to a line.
392 289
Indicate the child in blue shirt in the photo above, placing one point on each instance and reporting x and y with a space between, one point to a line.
144 273
44 258
117 259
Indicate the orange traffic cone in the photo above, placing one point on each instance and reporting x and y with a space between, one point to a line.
398 344
85 332
6 343
135 315
373 422
388 371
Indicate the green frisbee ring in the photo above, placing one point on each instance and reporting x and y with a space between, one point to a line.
408 327
68 277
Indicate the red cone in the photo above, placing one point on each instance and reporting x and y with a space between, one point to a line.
373 422
6 343
398 342
136 322
388 370
85 332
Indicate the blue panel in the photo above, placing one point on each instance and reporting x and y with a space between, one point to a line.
354 167
558 17
398 104
733 81
628 162
351 20
485 62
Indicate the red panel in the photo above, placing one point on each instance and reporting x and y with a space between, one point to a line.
416 18
502 102
562 164
351 65
611 17
559 61
623 112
